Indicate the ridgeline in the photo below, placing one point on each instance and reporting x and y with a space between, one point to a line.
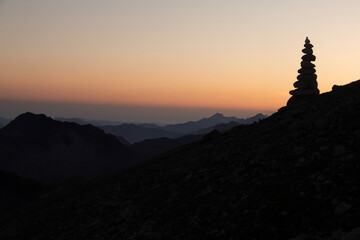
292 175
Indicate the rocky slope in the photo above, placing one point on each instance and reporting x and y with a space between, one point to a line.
15 191
294 175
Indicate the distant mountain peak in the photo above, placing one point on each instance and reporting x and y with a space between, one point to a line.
30 115
29 119
217 115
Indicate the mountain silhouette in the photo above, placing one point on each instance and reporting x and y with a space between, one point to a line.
293 175
218 118
134 133
222 127
138 132
36 146
83 121
157 146
153 147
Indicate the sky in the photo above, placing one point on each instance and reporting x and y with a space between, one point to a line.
168 60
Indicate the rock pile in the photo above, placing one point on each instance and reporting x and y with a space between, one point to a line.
306 84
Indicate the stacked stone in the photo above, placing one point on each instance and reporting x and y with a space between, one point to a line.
306 84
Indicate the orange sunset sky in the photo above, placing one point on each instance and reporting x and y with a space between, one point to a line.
233 56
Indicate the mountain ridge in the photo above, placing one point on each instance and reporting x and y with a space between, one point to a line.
36 146
217 118
134 133
138 132
293 175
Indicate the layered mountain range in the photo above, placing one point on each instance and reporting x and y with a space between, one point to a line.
293 175
138 132
48 150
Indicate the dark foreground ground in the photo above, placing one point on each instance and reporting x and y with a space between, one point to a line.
295 175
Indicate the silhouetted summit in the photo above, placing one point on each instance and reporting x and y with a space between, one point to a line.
29 120
293 174
217 115
36 146
45 129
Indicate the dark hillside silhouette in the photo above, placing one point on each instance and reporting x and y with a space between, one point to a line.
157 146
134 133
39 147
222 127
293 175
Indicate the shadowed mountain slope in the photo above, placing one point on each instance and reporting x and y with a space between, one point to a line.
15 191
223 127
39 147
157 146
134 133
294 174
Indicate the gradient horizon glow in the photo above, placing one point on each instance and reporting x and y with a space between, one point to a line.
205 54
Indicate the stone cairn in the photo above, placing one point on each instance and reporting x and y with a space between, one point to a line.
306 86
